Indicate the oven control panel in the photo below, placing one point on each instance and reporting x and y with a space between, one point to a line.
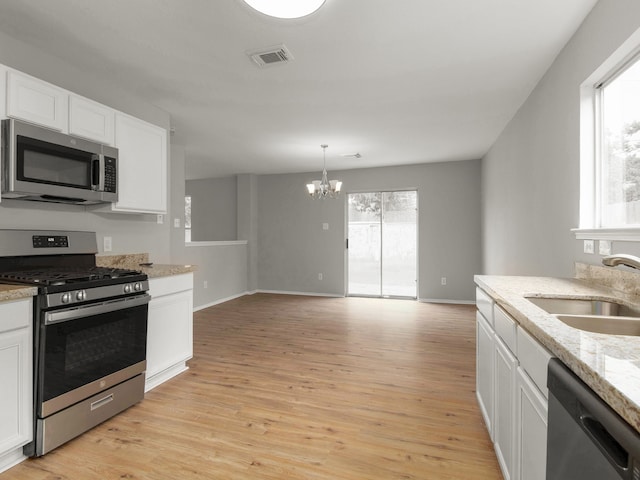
50 241
95 294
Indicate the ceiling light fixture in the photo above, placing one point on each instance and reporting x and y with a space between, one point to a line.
285 8
324 188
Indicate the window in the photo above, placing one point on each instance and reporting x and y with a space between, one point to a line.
618 133
610 147
187 218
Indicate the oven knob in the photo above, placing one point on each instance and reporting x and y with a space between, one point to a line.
127 288
137 287
66 297
81 295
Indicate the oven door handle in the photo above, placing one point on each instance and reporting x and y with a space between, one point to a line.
58 316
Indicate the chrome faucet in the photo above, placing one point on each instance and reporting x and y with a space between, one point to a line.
622 259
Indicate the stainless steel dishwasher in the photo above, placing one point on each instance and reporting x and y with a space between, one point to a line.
586 439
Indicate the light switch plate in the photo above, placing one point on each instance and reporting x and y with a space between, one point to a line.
604 247
588 246
325 226
176 223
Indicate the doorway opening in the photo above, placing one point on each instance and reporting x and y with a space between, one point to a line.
383 244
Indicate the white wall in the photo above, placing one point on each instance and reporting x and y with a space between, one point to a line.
531 174
293 248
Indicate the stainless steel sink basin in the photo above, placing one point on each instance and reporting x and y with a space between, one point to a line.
584 307
603 324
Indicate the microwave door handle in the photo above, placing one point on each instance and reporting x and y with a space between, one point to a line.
97 172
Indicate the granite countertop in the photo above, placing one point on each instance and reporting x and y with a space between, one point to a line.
16 292
609 364
140 261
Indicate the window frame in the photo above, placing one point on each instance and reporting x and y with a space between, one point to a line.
591 145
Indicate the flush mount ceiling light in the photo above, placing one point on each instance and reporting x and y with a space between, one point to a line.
285 8
324 188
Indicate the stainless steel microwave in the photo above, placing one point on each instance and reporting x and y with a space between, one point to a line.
44 165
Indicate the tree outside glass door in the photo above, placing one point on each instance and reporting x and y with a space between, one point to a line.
383 253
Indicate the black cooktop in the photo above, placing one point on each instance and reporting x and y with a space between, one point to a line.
60 279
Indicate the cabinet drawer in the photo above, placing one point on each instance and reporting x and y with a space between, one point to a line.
534 359
16 314
484 303
505 327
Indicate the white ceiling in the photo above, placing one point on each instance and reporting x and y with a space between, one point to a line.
399 81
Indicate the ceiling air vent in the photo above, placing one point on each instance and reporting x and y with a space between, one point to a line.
270 56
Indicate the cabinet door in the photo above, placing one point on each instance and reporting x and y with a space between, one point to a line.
36 101
142 166
531 428
15 395
485 351
506 366
170 331
91 120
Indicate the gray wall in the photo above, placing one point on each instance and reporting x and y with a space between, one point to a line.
531 174
130 233
224 268
293 248
213 208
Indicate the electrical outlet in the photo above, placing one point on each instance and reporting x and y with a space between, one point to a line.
604 247
206 284
176 223
160 219
319 276
443 281
588 246
325 226
106 243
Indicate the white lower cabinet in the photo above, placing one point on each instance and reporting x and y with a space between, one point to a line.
170 328
485 348
516 406
506 365
16 380
531 427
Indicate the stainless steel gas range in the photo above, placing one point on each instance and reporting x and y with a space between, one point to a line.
89 333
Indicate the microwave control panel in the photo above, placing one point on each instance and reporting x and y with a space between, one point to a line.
110 174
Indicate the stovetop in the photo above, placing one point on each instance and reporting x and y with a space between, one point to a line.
57 276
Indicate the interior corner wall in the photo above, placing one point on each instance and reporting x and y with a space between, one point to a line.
531 174
293 247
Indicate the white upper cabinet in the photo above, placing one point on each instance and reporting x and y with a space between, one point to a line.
142 166
91 120
35 101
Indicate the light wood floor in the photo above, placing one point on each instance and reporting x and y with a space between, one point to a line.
285 387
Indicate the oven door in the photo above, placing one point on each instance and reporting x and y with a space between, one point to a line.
87 349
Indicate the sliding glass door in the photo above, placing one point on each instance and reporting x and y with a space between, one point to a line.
383 244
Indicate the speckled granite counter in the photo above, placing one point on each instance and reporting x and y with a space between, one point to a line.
609 364
16 292
136 261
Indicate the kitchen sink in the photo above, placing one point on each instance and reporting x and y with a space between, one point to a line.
603 324
584 307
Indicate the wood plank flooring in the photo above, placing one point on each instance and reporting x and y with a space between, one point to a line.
287 387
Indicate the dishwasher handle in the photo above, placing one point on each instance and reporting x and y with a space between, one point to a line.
606 443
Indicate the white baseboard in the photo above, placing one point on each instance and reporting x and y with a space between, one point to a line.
221 300
11 459
444 300
308 294
164 375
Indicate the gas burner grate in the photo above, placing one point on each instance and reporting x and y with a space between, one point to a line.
60 276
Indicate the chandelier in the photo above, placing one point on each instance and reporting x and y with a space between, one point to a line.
324 188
